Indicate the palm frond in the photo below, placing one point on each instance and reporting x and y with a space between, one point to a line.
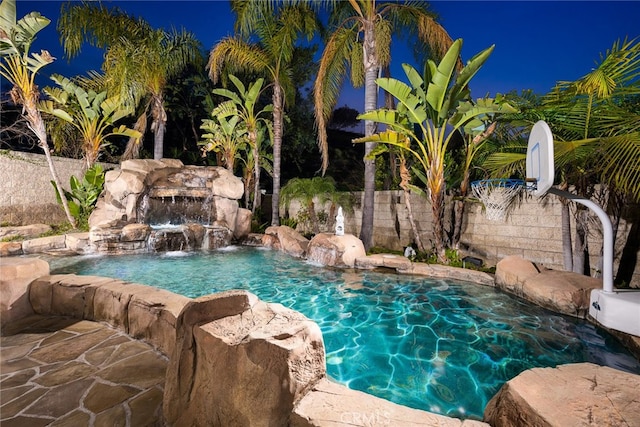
331 73
240 55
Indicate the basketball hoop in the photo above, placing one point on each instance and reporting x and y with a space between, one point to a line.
496 195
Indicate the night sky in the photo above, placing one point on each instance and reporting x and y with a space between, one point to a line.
537 43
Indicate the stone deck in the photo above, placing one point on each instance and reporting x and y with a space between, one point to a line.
59 371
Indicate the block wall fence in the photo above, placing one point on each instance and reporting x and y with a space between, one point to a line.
532 229
26 193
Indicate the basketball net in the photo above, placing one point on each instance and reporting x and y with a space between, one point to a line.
496 195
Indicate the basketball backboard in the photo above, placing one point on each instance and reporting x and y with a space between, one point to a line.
540 165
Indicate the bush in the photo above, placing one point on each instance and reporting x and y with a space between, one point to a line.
83 195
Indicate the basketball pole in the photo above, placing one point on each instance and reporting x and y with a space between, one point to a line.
607 235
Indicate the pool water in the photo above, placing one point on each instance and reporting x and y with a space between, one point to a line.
438 345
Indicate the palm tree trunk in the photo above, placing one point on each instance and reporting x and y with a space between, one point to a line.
278 100
248 182
132 150
158 126
37 126
371 68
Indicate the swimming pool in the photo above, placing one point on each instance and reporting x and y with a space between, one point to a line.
430 344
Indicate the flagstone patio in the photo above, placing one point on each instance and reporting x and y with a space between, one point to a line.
61 371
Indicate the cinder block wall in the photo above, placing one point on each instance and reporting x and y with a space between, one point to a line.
26 193
532 229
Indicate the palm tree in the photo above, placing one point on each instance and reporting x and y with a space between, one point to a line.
91 113
243 104
431 110
305 190
139 60
596 136
20 67
277 31
361 40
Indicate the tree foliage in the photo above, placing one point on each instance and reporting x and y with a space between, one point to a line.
432 108
92 114
139 60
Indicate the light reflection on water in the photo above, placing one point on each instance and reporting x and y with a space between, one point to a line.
430 344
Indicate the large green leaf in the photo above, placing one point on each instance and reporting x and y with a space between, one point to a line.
459 89
28 26
403 93
228 94
7 17
49 108
381 115
125 131
468 111
254 92
441 78
225 109
416 80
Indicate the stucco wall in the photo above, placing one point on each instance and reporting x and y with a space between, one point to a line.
26 193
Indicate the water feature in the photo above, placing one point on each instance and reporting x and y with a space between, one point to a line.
150 205
430 344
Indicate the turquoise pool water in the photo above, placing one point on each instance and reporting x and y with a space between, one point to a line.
437 345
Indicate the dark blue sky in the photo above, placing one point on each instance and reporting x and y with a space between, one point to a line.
537 42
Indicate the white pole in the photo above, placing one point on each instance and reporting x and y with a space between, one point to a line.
607 236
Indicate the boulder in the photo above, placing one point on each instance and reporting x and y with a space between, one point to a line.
240 361
79 243
561 291
564 292
227 185
582 394
335 251
512 271
10 248
226 211
289 240
217 236
15 276
25 231
243 224
331 404
44 244
152 315
135 232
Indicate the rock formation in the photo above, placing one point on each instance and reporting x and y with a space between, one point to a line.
581 394
197 206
